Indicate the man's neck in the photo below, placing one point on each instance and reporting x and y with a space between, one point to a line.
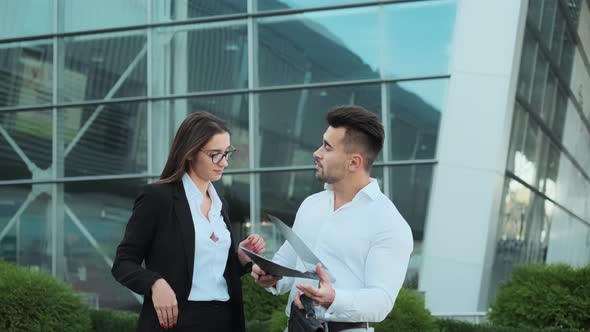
346 189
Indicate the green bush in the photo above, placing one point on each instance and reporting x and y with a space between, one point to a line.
408 315
257 326
113 320
544 296
35 301
258 303
450 325
278 320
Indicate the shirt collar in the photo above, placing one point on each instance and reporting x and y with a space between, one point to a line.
193 193
371 190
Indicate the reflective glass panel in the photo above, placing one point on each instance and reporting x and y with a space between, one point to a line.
178 10
539 82
233 109
95 216
415 113
319 47
27 138
201 57
14 201
26 18
417 38
26 73
292 122
410 192
103 139
527 63
104 66
266 5
26 225
515 155
89 14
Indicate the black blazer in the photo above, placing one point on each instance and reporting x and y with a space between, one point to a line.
161 232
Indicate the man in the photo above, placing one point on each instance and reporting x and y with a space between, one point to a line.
353 228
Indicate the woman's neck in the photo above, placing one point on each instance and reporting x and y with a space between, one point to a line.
201 184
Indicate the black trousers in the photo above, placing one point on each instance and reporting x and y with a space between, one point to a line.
204 316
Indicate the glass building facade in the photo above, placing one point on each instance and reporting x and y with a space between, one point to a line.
545 212
91 93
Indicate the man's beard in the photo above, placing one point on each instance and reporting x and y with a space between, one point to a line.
325 178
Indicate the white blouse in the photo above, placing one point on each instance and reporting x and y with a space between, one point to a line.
210 256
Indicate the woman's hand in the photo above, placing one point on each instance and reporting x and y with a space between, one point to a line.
165 303
254 243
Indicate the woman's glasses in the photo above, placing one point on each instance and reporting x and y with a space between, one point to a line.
216 157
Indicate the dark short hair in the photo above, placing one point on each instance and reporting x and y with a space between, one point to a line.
194 133
363 130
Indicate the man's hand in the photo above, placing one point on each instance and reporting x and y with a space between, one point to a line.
165 303
325 294
262 278
297 300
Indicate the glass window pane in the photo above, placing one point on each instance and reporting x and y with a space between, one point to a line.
527 63
26 73
526 167
415 112
203 57
558 35
12 199
549 99
515 154
567 56
319 47
25 18
418 38
560 113
292 122
104 66
104 139
410 192
535 11
552 171
89 14
233 109
540 79
95 216
25 226
28 137
265 5
178 10
548 21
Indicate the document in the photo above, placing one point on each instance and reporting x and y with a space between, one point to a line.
277 269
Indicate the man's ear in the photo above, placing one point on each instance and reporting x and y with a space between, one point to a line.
355 163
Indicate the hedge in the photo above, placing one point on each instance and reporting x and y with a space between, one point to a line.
35 301
544 296
259 304
449 325
113 320
408 315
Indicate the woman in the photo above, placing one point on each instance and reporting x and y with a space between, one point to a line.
180 227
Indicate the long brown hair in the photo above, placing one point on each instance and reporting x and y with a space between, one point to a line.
194 132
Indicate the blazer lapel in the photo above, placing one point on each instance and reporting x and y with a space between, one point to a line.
185 219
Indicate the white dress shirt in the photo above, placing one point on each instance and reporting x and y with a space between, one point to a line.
366 246
210 256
